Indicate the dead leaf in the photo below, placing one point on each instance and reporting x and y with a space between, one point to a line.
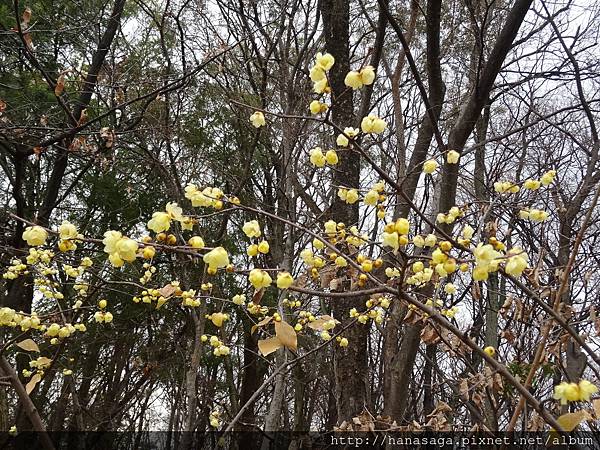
167 290
569 421
318 324
262 323
286 335
327 274
258 295
60 85
268 346
596 404
28 345
26 17
32 383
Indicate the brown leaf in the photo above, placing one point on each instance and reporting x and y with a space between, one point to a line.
327 274
268 346
258 295
32 383
569 421
26 17
429 335
28 345
596 404
167 290
60 85
262 323
595 320
286 335
318 323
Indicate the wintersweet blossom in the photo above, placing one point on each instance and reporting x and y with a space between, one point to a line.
259 278
251 229
430 166
67 230
372 124
452 157
216 258
284 280
258 119
161 221
35 235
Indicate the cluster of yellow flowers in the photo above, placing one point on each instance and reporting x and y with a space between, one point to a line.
395 234
357 79
506 186
208 197
372 124
161 220
350 196
318 72
574 392
119 248
151 295
535 215
342 139
68 236
219 349
319 159
259 279
454 213
316 107
214 418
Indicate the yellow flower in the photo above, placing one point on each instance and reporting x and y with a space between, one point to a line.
35 235
259 279
251 229
252 250
516 264
317 158
371 198
317 74
284 280
342 141
340 261
161 221
317 107
196 242
485 254
127 249
480 273
331 157
372 124
567 392
320 86
449 288
330 227
216 258
148 252
402 226
325 61
490 351
367 75
452 157
353 80
418 241
586 389
430 166
263 247
531 184
218 318
352 196
390 240
258 119
524 214
538 215
67 230
468 232
175 211
343 342
430 240
548 177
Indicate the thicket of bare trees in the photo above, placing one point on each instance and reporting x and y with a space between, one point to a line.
109 111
